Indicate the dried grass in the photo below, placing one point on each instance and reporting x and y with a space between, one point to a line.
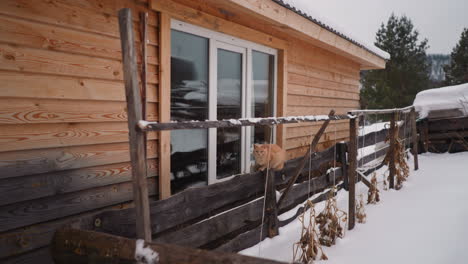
360 210
373 195
308 249
331 222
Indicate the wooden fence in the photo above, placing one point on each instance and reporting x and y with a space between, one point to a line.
225 216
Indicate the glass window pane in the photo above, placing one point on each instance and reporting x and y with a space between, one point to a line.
229 82
189 101
263 93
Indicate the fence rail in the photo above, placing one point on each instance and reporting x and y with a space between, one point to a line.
267 121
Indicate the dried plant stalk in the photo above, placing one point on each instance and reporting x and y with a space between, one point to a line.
360 211
373 195
331 222
400 157
308 249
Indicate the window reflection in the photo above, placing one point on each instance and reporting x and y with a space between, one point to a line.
228 161
189 97
262 94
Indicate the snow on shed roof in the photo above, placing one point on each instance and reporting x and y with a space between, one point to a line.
447 99
306 11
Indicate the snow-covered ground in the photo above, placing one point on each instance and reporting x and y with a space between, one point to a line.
424 222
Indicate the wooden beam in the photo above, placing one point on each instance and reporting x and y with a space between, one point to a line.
144 63
352 156
193 16
392 149
382 111
343 160
282 95
310 150
271 210
280 18
137 138
414 137
164 105
80 246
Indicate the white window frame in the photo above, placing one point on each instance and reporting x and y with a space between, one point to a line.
217 41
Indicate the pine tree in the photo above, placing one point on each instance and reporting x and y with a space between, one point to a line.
457 71
405 74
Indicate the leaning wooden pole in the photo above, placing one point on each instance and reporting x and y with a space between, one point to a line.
391 160
136 137
414 136
304 160
74 246
352 158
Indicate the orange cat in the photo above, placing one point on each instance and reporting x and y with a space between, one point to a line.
275 160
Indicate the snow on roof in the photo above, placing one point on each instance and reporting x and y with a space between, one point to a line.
444 98
306 10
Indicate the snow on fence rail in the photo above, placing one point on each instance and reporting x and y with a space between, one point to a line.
268 121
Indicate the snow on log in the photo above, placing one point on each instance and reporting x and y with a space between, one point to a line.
449 101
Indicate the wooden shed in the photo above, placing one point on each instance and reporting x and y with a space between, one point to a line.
64 152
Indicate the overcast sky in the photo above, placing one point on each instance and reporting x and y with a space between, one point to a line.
441 22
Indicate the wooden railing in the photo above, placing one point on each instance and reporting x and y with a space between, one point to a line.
225 216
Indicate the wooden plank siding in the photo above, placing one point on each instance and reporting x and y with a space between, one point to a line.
317 82
64 153
63 120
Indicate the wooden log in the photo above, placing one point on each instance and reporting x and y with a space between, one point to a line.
310 150
189 206
444 125
215 231
319 162
372 138
391 162
54 207
144 59
414 138
362 177
252 237
448 135
137 138
42 256
343 160
79 246
383 111
144 65
352 156
269 121
424 130
373 156
271 210
19 189
164 92
322 197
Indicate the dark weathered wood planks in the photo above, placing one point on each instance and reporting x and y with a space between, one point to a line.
97 246
45 209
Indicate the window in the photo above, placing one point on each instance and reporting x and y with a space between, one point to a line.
216 76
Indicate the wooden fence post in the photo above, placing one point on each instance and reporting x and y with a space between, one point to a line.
271 210
341 158
352 155
136 137
414 135
391 162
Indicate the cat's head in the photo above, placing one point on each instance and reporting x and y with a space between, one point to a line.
260 150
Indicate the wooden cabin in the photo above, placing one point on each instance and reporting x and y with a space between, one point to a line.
64 152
